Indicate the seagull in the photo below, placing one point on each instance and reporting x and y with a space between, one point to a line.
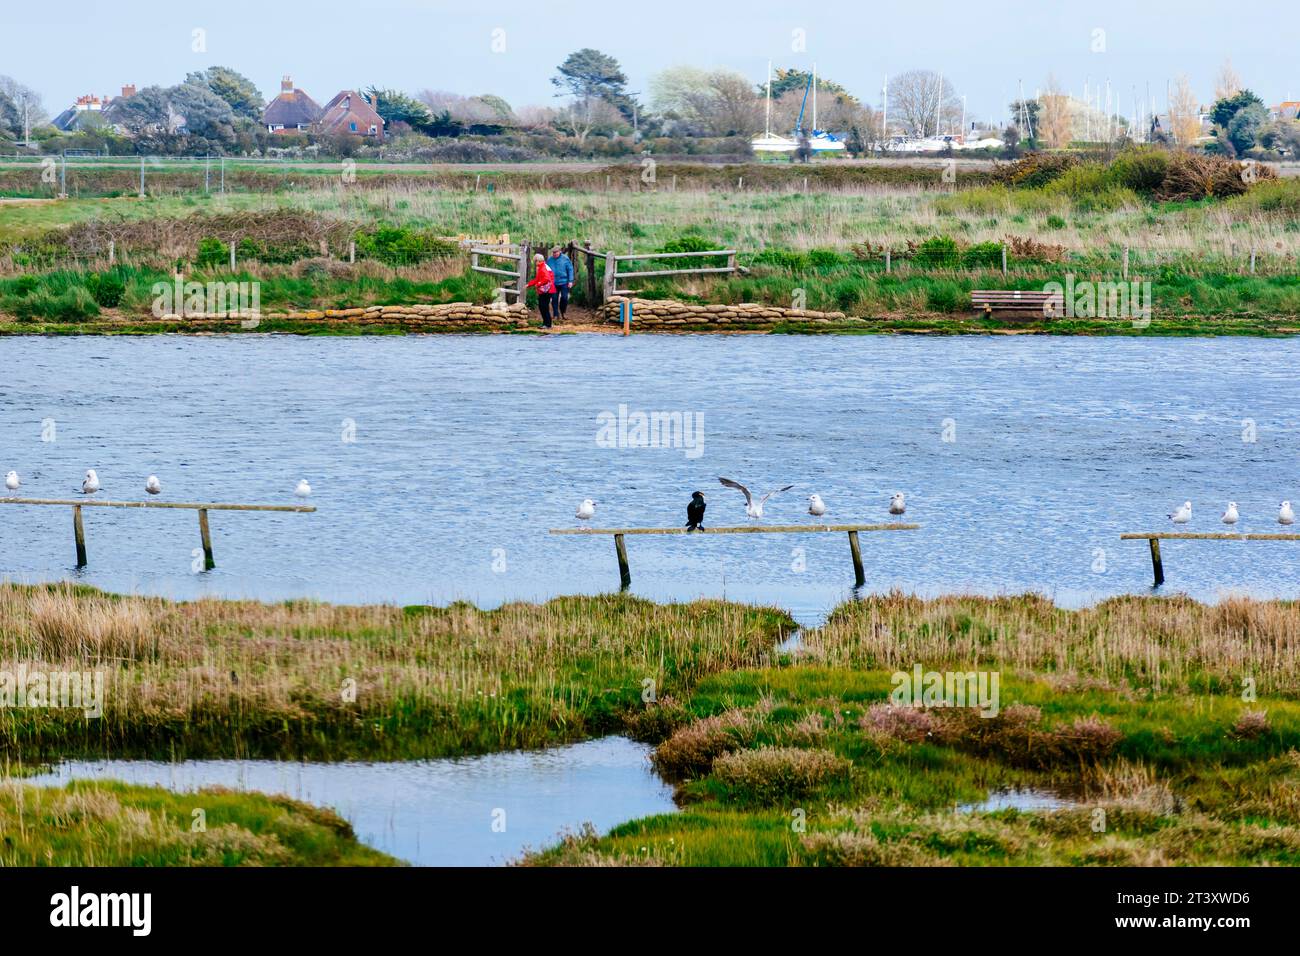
586 510
303 489
12 482
1182 514
753 509
897 504
816 507
153 485
1285 515
695 512
1230 516
91 484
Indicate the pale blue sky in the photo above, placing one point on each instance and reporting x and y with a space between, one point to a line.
67 47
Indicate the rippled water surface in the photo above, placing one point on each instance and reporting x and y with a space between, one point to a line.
469 448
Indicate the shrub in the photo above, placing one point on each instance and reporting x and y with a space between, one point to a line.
1141 170
772 774
1036 169
691 750
73 304
983 255
1055 222
401 246
888 721
938 251
211 252
106 288
1251 725
946 296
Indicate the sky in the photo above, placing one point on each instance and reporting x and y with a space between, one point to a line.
985 49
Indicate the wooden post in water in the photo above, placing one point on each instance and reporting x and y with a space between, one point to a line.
624 572
859 578
208 562
79 532
1157 566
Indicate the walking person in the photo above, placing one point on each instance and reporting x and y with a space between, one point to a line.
562 268
544 282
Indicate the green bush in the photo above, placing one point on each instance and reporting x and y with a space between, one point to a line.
401 246
1055 222
942 296
983 255
212 252
74 304
939 251
106 288
1141 170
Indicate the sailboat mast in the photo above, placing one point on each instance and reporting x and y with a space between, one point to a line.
814 126
767 123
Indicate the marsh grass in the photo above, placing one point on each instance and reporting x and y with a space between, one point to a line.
240 678
113 824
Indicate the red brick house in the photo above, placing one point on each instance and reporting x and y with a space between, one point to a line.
350 113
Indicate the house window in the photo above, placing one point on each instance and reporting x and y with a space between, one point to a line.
373 130
353 127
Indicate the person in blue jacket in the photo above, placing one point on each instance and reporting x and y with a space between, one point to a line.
561 265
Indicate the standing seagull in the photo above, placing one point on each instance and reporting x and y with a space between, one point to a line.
586 510
1230 516
91 484
1285 515
695 512
1182 514
897 504
303 490
153 485
816 507
753 509
12 483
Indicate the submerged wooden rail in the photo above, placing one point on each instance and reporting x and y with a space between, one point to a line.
79 529
1155 537
625 572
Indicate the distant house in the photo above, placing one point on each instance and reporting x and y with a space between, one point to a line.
293 111
1288 110
350 113
86 113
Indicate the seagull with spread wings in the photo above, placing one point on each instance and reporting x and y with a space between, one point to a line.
753 506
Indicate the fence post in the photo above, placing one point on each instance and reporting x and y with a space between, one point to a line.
112 252
1126 262
1004 258
352 251
888 264
79 533
1252 261
233 244
205 535
731 262
591 274
521 285
141 177
674 182
611 269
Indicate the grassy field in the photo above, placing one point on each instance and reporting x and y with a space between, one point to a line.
112 824
1130 715
824 246
315 681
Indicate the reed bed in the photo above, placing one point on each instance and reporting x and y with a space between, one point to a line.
302 678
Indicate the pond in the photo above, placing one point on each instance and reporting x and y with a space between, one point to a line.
470 811
439 463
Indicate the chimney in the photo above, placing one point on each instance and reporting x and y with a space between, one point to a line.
374 101
128 91
286 84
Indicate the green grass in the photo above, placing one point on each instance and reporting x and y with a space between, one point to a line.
105 823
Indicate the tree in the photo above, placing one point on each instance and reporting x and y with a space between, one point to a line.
1283 135
1054 126
1184 114
205 115
1245 126
716 103
396 107
785 81
1225 108
236 89
591 75
1228 83
26 105
582 117
922 102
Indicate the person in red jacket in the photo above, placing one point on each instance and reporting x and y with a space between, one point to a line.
544 282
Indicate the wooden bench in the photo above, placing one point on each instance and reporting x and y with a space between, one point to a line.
1017 304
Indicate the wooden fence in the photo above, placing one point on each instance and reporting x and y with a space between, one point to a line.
205 535
517 276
